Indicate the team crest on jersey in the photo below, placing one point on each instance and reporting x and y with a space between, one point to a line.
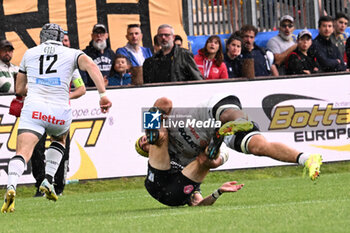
188 189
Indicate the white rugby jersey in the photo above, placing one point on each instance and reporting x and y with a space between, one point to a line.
49 68
188 140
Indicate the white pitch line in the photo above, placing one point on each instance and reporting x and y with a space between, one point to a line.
185 211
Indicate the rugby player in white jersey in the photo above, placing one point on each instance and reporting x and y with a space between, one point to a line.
44 78
188 146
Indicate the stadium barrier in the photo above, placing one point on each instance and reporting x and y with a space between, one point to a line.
307 113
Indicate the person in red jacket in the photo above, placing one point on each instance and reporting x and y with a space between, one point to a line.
210 59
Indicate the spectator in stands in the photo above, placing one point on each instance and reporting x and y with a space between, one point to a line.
66 40
210 59
299 61
339 36
156 45
325 51
8 71
171 63
133 49
178 40
100 53
284 43
263 60
119 75
233 56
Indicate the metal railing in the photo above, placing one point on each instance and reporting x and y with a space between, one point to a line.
206 17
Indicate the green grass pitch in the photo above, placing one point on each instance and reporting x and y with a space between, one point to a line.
272 200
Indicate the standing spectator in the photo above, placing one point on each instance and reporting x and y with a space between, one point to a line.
339 36
233 56
100 53
171 63
284 43
133 50
263 60
325 51
8 71
119 75
299 61
178 40
210 59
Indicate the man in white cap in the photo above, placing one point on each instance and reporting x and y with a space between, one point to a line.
284 43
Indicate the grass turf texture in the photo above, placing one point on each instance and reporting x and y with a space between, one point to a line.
273 200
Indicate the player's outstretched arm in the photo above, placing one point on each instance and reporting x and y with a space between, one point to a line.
86 64
231 186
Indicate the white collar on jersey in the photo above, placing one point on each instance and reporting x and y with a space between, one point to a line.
53 42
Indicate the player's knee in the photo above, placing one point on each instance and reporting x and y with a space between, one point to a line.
231 114
164 104
242 141
258 145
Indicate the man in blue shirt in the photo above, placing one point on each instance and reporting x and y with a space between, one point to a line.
133 50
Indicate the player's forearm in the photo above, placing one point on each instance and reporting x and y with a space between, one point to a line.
210 199
87 64
78 92
97 77
21 84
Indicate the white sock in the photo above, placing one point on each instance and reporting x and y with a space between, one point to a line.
53 157
303 157
15 170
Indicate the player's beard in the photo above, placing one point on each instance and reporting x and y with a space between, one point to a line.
101 45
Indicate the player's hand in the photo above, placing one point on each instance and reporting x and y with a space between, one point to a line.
16 106
231 186
203 159
105 104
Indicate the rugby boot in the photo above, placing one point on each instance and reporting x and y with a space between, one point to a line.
313 165
232 127
9 202
48 189
214 145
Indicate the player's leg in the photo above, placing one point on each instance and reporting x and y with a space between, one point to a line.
228 110
258 145
38 164
26 141
252 142
53 157
61 174
162 106
158 154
